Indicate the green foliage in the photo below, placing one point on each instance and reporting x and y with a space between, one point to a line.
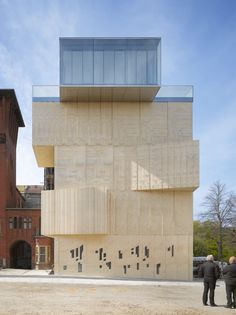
205 240
199 248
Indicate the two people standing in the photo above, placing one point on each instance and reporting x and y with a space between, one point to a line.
211 272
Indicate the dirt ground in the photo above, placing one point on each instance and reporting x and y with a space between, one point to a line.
80 299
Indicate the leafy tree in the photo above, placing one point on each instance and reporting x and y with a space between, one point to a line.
199 248
220 210
204 240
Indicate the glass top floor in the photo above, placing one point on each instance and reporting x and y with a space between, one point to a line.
110 61
166 93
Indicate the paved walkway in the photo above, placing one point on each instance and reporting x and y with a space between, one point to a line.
43 276
23 272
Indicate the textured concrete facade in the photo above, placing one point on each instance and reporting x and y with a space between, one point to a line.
124 176
125 172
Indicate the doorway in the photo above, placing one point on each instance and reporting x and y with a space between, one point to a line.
21 254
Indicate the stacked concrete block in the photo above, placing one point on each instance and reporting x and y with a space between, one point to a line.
125 163
144 156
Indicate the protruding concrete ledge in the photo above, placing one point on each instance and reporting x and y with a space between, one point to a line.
44 155
75 211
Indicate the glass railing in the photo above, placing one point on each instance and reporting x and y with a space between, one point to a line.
178 92
181 93
46 93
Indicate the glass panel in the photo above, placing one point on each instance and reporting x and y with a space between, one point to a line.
98 67
152 67
20 222
42 254
67 67
42 250
11 223
25 223
183 91
131 67
141 67
120 67
29 223
77 67
15 223
109 67
45 91
87 67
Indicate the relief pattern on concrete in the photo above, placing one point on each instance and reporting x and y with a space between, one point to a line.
103 262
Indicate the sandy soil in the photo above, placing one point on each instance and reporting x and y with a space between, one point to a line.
74 299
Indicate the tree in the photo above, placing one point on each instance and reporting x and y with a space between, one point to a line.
220 209
204 239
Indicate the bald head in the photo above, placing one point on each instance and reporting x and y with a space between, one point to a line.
210 258
232 260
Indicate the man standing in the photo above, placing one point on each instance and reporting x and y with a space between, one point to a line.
229 273
210 272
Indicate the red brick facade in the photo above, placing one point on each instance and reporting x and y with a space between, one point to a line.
24 225
21 243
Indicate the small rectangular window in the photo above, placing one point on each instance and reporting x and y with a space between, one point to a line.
15 223
25 223
10 223
42 254
79 267
20 222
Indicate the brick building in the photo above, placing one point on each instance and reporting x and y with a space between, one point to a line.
21 242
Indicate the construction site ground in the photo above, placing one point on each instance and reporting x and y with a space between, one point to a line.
35 292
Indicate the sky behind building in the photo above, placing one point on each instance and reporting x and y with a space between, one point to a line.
198 48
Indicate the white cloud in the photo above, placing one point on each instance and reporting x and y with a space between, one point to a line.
29 56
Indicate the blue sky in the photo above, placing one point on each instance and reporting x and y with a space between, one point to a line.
198 48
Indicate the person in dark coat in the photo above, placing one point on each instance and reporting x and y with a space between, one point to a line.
229 273
210 272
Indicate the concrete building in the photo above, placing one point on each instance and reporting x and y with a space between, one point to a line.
21 242
125 162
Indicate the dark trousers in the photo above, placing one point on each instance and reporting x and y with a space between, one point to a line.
231 291
209 285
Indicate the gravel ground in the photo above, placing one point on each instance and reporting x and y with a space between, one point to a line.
31 298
